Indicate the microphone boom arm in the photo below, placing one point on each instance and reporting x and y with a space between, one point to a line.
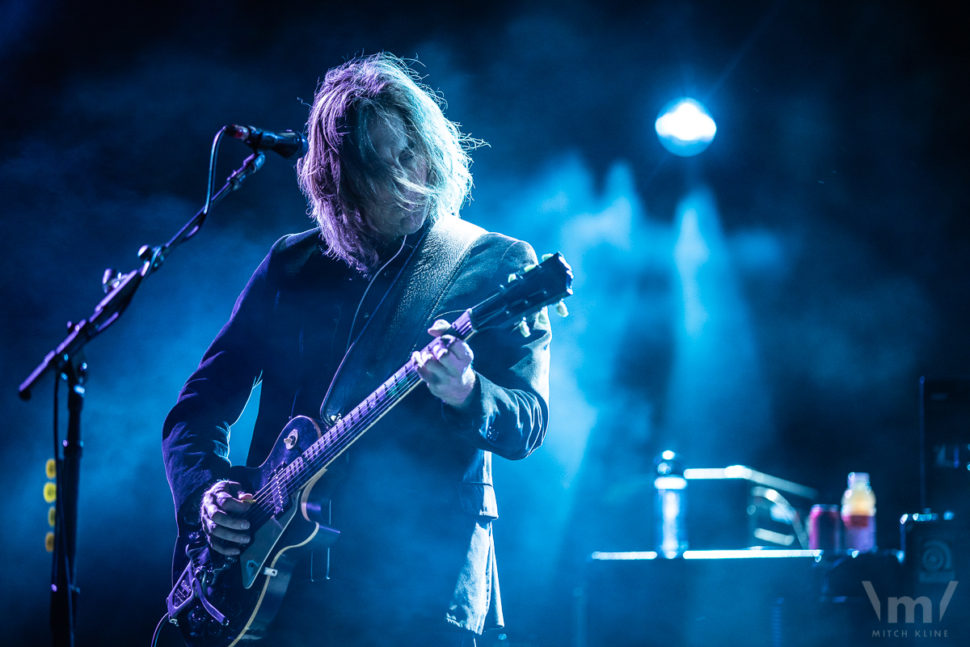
121 288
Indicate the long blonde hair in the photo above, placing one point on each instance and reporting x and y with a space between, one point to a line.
341 173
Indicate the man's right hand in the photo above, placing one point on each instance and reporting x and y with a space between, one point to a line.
223 517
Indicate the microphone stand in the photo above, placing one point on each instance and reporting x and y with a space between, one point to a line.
66 360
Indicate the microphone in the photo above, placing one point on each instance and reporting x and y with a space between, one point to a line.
285 143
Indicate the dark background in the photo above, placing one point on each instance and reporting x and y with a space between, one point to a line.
772 302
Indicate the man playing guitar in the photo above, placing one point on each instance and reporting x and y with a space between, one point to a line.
329 314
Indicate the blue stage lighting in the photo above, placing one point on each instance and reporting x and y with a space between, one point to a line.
685 128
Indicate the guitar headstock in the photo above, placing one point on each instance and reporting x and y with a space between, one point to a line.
525 293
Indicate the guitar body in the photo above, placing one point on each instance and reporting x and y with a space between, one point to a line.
248 590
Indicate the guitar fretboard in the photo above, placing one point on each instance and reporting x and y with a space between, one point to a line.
274 495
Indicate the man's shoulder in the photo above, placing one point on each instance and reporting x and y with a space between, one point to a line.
294 253
503 249
299 244
484 242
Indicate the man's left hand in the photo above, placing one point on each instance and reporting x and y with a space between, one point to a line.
446 366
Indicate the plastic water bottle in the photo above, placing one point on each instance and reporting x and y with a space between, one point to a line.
859 514
671 508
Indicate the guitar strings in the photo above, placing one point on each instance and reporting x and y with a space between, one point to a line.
322 454
371 409
394 389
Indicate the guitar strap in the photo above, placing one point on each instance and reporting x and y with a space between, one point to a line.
394 330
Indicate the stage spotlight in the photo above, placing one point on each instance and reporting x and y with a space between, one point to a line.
685 128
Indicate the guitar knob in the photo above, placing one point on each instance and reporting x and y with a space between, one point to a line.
513 276
561 309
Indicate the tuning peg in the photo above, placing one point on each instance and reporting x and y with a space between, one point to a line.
561 309
546 257
523 328
152 256
513 276
109 280
529 267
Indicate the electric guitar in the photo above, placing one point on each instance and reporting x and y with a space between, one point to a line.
220 601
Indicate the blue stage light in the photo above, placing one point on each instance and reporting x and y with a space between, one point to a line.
685 128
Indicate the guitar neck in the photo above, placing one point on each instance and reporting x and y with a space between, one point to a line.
350 427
